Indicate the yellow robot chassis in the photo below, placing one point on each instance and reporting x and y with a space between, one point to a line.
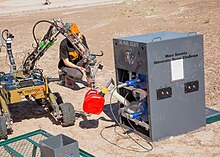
28 82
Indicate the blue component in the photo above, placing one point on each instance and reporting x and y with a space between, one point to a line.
129 57
144 109
8 80
137 83
142 114
142 77
132 82
136 115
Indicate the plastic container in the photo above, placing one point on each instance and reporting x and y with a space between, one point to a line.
70 82
93 102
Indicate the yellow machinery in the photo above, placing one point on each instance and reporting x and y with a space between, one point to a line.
28 82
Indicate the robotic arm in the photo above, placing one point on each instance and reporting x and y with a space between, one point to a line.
49 38
88 58
58 27
8 38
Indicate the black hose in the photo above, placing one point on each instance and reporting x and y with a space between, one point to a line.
6 30
33 30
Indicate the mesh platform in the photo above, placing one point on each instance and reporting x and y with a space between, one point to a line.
27 145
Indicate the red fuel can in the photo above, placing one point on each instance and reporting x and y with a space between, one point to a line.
93 102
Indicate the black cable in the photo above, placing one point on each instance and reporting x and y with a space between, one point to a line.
115 130
138 142
30 61
33 30
136 131
3 34
130 122
118 133
101 133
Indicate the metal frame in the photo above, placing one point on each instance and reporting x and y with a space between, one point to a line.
28 137
174 106
212 115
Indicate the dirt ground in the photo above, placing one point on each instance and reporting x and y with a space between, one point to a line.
100 23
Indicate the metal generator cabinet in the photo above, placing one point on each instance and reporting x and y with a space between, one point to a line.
170 70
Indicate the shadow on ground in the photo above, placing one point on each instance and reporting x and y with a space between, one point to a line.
76 85
28 110
111 110
94 123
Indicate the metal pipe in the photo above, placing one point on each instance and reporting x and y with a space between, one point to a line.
121 99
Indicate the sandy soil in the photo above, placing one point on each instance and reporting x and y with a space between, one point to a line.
101 23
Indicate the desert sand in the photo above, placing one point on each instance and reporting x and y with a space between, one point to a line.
101 21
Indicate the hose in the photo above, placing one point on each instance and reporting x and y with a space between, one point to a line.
33 30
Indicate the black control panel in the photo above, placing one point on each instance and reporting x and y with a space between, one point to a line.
191 86
164 93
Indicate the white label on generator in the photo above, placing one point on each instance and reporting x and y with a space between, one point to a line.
177 72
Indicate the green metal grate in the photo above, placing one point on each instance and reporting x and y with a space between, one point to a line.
27 145
212 115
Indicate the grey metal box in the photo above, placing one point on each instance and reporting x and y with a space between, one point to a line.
59 146
173 66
